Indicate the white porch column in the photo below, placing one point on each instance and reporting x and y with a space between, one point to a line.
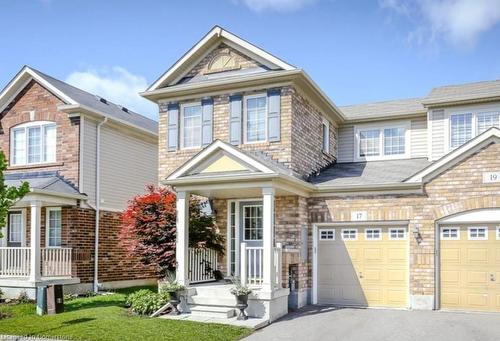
182 240
268 237
36 211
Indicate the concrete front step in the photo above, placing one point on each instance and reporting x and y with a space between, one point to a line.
211 311
215 291
225 301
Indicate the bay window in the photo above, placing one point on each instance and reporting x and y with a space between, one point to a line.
381 142
33 142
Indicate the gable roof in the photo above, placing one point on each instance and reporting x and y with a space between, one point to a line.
384 110
491 135
75 98
211 40
461 93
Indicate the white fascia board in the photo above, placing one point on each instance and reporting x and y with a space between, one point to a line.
218 33
20 81
209 150
492 133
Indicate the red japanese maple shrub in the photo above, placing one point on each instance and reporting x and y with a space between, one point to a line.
149 228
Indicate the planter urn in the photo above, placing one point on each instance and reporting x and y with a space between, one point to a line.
174 301
242 304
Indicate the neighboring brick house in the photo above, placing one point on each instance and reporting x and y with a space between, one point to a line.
80 154
391 204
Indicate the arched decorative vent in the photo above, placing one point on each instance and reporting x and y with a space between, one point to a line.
223 61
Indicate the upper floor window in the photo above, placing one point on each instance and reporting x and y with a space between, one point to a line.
33 142
381 142
191 116
325 130
255 118
464 126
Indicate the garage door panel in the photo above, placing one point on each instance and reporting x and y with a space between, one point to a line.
470 271
374 274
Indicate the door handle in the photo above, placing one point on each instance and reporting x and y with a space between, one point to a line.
492 277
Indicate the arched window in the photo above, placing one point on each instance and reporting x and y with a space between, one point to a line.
32 143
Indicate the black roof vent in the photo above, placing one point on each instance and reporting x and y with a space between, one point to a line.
103 100
124 109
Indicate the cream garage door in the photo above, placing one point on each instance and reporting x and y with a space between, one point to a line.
363 266
470 267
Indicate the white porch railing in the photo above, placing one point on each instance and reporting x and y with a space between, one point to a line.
56 262
14 261
201 264
252 265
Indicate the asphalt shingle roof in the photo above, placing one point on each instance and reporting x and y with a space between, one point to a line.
94 102
463 92
369 173
50 181
386 109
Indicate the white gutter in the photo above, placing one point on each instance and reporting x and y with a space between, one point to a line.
97 203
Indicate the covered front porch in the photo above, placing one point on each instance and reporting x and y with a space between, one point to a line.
33 250
242 191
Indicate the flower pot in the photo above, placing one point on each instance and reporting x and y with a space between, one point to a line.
242 304
174 301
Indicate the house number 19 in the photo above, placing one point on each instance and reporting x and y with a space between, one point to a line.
491 177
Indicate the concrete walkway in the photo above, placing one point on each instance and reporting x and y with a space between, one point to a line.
328 323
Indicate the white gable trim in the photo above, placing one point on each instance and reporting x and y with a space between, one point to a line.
19 82
457 155
218 34
205 153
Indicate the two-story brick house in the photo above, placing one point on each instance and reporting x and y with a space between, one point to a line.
84 157
392 204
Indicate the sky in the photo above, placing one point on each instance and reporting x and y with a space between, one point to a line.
357 51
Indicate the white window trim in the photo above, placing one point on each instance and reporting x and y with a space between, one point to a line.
406 125
477 238
47 236
23 229
181 124
245 98
450 238
474 110
243 223
351 229
497 233
42 138
325 123
373 229
326 239
396 229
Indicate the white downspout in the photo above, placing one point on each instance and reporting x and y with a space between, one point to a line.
97 203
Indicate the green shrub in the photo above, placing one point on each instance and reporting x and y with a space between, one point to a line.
146 302
23 297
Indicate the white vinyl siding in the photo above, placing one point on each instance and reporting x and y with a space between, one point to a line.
437 128
128 164
346 144
418 137
89 133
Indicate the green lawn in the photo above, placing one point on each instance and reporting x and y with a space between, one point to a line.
105 318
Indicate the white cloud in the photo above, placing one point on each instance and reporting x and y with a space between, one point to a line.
117 85
459 22
275 5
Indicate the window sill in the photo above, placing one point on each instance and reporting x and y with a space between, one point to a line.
37 165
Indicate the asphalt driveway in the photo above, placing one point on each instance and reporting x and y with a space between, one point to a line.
328 323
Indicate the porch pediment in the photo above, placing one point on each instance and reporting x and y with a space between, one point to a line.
220 159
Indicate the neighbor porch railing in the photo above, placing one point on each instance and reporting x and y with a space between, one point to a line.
202 264
14 261
56 262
